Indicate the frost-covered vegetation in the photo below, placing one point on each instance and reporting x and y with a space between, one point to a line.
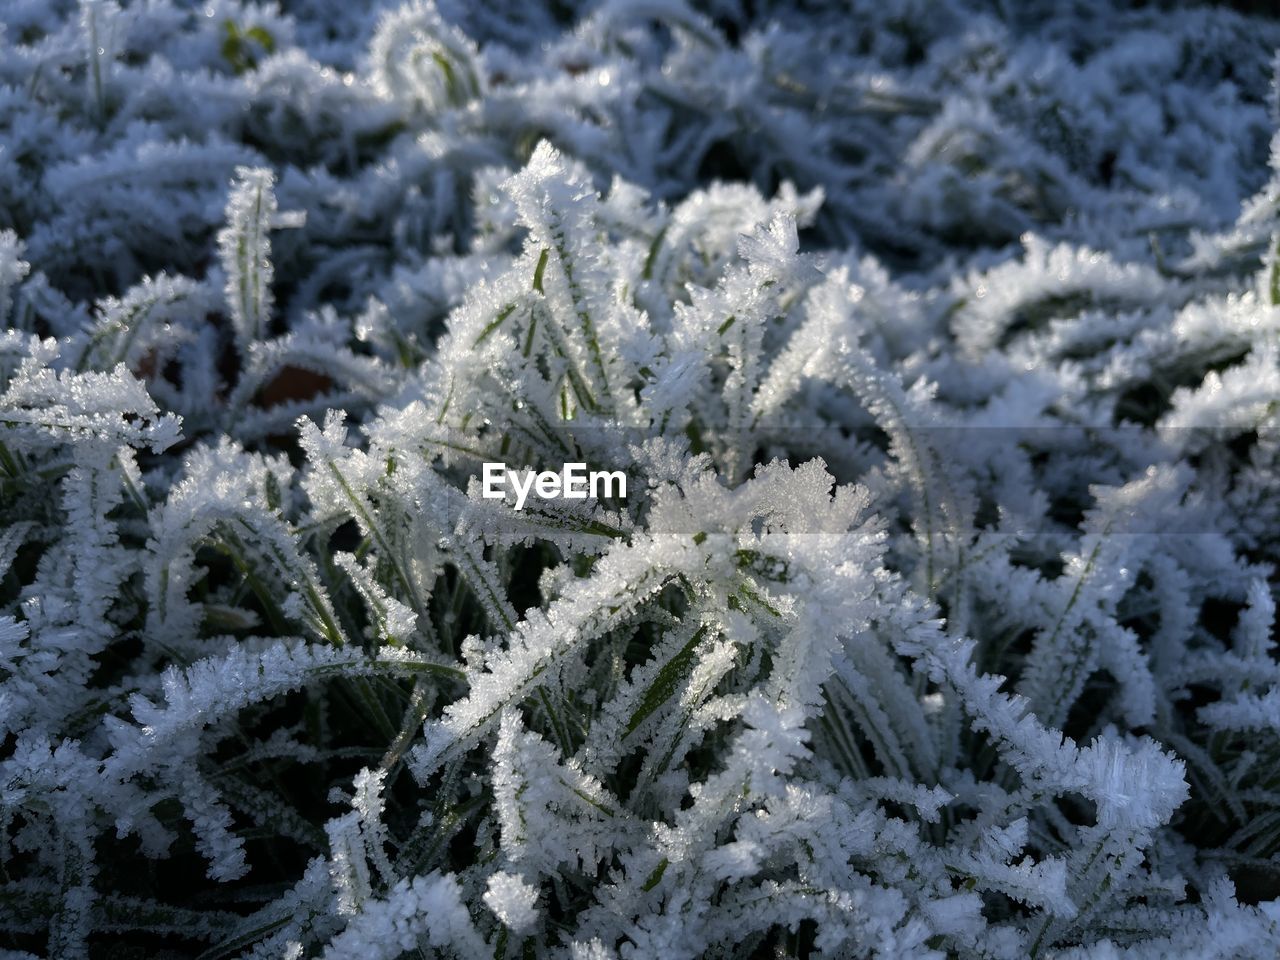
940 342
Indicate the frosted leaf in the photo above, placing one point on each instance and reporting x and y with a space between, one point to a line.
245 250
12 269
420 60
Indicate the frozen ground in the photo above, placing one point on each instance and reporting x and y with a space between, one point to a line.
939 343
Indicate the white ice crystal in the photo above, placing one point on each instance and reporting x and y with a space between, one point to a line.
513 900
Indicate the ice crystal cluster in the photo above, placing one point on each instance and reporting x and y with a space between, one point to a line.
940 344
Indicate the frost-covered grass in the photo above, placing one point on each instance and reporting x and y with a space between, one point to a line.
940 344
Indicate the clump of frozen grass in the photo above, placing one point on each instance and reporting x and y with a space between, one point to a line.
940 352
